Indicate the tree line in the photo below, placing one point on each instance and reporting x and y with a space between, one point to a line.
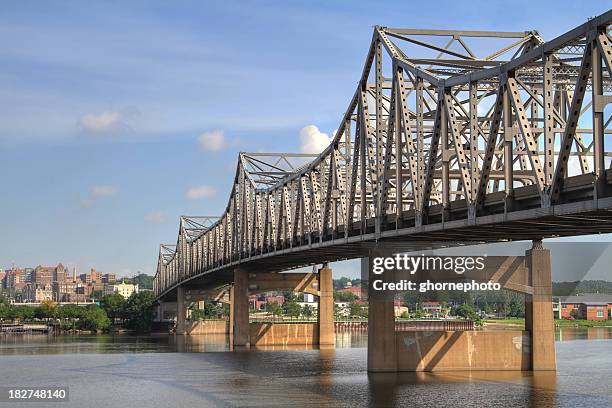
134 313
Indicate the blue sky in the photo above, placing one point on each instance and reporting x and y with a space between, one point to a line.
104 105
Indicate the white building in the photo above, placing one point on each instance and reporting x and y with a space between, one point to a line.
124 289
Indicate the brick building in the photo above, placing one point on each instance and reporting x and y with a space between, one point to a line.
589 306
44 276
259 302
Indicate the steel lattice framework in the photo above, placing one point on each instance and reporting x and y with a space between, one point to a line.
436 148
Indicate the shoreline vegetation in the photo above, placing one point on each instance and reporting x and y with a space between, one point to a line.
114 313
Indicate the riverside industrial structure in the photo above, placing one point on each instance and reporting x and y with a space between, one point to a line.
488 137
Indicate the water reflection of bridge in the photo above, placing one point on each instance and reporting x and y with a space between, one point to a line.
439 147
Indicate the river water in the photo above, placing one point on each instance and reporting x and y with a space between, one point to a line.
199 371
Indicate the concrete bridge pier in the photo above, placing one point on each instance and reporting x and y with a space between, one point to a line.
239 308
181 311
539 319
325 318
382 351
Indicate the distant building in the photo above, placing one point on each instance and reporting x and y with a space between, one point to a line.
310 300
124 289
258 302
25 275
44 276
589 306
109 278
11 279
96 277
432 308
37 294
280 299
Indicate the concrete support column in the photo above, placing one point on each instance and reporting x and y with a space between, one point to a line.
240 307
326 307
159 311
181 312
540 321
382 351
231 313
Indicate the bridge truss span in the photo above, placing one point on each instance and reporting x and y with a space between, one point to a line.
447 134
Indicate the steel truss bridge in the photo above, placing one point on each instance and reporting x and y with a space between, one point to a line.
450 137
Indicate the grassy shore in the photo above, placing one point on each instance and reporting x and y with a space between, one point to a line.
560 323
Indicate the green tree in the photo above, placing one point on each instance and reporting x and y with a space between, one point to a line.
340 283
143 281
413 299
21 312
467 312
292 308
274 309
139 311
344 296
212 309
67 312
517 307
289 296
94 319
196 313
338 315
308 311
114 306
356 310
45 311
5 310
69 315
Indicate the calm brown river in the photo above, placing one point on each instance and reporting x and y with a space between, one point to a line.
198 371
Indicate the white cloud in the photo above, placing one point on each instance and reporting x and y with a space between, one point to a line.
103 191
100 123
212 141
312 140
96 193
155 217
196 193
